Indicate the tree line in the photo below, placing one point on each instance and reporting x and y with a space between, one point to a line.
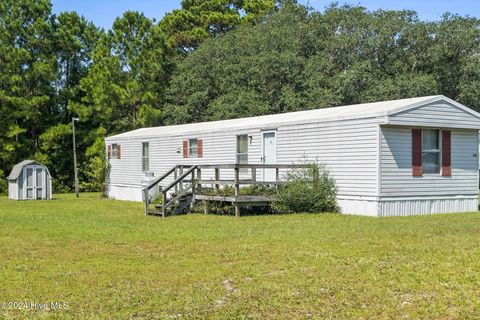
209 60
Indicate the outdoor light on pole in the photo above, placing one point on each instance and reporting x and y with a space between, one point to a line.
75 157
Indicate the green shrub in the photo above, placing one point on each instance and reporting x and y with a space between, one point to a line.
225 208
3 183
309 189
157 199
58 187
214 207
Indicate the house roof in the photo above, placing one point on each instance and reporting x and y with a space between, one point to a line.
357 111
17 169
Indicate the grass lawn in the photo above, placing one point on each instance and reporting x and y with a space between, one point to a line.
106 260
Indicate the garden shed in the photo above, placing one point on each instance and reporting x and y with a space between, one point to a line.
29 180
399 157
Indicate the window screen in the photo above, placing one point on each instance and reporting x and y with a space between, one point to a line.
145 156
431 151
193 148
242 149
114 151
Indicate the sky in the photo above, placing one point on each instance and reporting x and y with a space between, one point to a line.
104 12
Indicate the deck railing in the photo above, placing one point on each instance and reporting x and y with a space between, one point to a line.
188 179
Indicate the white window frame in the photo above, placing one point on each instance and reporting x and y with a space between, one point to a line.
436 151
190 148
145 158
237 153
114 151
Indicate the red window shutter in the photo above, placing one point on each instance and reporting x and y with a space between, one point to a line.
417 152
118 152
200 148
185 148
446 153
109 151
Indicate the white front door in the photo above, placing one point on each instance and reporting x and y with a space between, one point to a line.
269 154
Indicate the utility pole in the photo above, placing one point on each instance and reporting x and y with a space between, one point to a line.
75 157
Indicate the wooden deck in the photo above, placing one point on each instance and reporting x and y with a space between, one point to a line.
188 182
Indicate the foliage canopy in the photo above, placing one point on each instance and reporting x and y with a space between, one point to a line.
209 60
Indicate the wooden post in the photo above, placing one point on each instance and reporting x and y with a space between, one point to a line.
146 200
179 174
277 176
199 177
175 176
194 190
205 207
164 202
254 174
192 178
237 191
217 177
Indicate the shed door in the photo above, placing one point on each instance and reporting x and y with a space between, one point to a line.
29 183
269 154
39 183
34 182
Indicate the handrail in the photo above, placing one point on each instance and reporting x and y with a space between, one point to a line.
183 176
223 166
178 196
251 166
166 174
154 183
178 180
161 178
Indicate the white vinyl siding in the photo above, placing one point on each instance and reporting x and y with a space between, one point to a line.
219 148
396 166
347 148
128 171
440 114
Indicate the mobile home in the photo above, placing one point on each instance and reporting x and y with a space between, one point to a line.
401 157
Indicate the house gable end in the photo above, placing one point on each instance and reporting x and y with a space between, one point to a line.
440 112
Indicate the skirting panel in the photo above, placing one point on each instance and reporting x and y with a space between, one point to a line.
384 207
362 207
125 193
408 207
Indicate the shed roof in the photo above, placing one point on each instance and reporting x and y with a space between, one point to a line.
357 111
17 169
